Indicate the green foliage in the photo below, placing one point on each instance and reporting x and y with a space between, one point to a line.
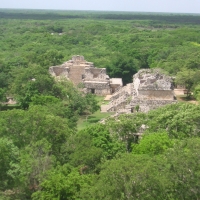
34 86
29 82
179 120
126 128
103 161
121 46
44 100
50 58
91 103
129 177
101 138
33 125
137 107
154 143
197 92
4 76
9 163
62 183
90 147
173 175
39 135
35 160
80 151
184 169
3 95
123 67
185 77
75 100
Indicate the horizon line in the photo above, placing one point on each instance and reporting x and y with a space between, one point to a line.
125 11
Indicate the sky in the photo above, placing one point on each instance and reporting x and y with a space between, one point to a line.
171 6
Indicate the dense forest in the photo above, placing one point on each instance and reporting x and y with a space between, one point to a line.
43 155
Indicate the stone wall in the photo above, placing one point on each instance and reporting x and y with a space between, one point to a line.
179 92
146 105
156 94
59 71
99 88
95 74
116 84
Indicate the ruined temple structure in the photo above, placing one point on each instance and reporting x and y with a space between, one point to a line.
94 80
150 89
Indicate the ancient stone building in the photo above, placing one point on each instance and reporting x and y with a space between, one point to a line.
150 89
94 80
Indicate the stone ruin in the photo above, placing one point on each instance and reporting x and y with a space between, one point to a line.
150 89
80 72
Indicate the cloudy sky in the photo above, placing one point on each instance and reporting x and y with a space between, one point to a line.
175 6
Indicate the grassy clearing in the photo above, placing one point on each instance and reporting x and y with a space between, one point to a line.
88 120
101 100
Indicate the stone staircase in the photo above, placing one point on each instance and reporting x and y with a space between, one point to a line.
75 74
122 91
121 98
116 104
